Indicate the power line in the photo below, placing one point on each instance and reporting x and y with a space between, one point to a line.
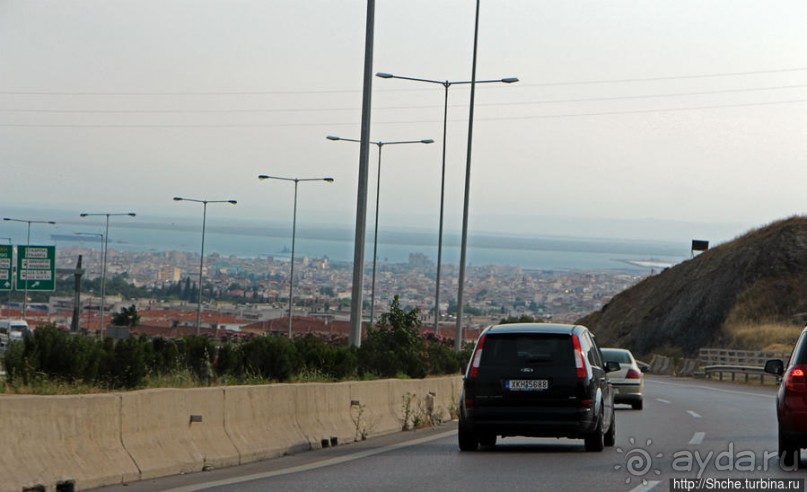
270 125
289 110
669 77
345 91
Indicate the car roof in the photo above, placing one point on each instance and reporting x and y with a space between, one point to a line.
550 328
612 349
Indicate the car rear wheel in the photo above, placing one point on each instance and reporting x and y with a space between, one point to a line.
637 405
789 453
596 440
467 439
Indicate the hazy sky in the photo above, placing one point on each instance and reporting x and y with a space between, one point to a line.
645 118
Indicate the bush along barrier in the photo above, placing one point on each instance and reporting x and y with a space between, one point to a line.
392 349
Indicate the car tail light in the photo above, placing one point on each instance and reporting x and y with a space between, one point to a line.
579 359
633 374
795 381
476 358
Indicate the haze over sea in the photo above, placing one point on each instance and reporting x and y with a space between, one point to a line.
336 242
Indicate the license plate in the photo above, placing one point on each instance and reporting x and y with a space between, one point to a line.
526 384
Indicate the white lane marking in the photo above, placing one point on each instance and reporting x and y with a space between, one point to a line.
694 415
662 400
311 466
697 438
645 487
710 388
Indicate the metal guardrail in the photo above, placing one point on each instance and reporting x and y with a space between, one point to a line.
755 358
747 371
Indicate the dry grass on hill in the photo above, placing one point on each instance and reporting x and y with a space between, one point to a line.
774 337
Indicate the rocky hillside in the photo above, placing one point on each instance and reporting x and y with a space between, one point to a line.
759 277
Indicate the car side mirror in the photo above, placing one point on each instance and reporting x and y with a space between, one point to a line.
612 366
775 367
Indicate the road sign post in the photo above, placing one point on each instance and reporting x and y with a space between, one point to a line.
36 267
5 267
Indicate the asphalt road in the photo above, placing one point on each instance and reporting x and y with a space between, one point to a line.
688 429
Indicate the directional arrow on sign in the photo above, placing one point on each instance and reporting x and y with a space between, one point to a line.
35 284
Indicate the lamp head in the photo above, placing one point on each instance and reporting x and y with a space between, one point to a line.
384 75
510 80
131 214
51 222
329 180
263 176
84 214
427 141
177 198
333 137
232 202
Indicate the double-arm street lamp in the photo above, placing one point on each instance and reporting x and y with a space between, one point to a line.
28 243
380 144
103 271
446 84
296 181
202 259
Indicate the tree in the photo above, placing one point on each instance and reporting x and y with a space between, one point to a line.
126 317
395 346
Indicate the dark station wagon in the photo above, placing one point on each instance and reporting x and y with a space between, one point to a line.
537 380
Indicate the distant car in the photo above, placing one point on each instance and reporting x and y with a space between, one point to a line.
791 401
628 381
537 380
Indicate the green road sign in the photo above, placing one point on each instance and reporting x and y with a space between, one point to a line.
5 267
36 266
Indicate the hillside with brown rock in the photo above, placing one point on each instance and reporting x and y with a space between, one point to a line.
758 278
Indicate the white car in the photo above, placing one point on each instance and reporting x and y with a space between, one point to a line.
628 381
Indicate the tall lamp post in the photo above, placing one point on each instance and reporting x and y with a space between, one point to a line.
202 259
103 271
28 243
466 200
380 144
446 84
78 293
296 181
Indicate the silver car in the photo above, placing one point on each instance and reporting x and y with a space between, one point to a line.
628 381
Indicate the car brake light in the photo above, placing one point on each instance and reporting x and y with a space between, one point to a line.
477 358
633 374
795 381
579 360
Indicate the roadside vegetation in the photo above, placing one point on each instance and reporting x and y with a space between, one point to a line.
52 361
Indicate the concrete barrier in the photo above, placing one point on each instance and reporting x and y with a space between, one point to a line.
262 422
323 413
99 440
373 408
172 431
52 439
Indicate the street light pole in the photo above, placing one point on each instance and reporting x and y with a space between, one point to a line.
293 233
78 294
464 241
103 270
379 144
446 84
202 259
27 243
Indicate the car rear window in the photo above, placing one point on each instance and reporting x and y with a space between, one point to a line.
517 349
616 356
